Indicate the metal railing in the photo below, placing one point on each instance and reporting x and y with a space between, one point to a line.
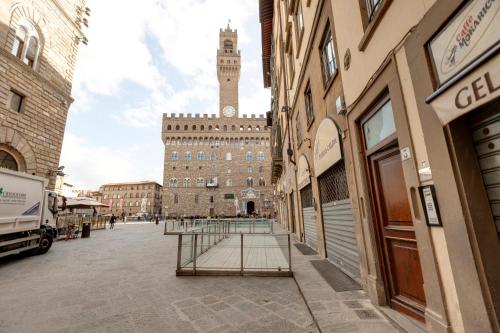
228 226
233 254
96 222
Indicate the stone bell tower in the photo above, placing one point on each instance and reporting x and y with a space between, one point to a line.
228 72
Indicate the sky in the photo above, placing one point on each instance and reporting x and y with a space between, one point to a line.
145 58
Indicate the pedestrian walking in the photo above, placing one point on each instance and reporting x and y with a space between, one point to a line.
112 221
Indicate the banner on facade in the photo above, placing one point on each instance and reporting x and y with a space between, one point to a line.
471 32
476 89
303 174
327 150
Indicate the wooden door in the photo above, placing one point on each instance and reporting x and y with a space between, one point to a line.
397 243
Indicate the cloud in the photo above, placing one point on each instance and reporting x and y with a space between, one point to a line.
146 58
90 166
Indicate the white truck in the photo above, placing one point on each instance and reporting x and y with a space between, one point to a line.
27 214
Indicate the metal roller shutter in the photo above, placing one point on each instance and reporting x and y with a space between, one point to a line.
486 138
309 217
340 238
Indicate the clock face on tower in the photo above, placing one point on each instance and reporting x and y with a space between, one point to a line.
229 111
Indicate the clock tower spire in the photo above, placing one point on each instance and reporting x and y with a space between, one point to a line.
228 71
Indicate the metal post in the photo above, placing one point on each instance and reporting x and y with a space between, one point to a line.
241 245
179 252
195 252
165 231
289 254
201 247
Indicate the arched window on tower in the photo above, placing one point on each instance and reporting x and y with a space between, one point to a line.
249 156
169 127
228 46
187 182
175 156
262 181
200 156
260 156
187 156
173 182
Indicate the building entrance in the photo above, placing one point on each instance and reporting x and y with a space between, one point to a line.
250 207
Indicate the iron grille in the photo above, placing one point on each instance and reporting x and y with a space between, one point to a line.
333 184
306 196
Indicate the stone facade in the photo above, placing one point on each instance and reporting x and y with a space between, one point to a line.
39 41
218 165
130 198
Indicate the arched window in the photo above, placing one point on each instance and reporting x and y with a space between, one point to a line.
187 156
176 198
229 182
200 156
185 127
177 127
229 156
200 182
187 182
249 181
260 156
8 161
213 157
169 127
194 127
261 169
217 127
241 128
249 156
202 127
257 128
26 43
249 128
250 169
209 127
175 156
233 128
225 128
262 181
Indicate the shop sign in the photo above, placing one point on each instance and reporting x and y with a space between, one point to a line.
327 150
303 174
476 89
472 31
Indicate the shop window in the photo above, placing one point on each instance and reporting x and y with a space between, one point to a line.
328 59
17 101
379 126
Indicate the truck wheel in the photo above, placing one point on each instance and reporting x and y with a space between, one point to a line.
45 244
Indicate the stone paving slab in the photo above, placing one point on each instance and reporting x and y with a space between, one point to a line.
342 312
123 280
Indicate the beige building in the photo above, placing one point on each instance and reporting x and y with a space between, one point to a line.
218 165
131 198
39 41
415 101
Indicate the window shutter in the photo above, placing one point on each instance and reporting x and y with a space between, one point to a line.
32 48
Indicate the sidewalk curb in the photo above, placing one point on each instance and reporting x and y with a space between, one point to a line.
307 305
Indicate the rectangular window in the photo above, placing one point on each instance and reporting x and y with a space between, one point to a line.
229 196
211 199
328 57
176 199
291 64
380 126
16 101
196 198
309 105
299 24
371 7
298 129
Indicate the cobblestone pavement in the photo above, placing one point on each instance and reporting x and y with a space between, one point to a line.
123 280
